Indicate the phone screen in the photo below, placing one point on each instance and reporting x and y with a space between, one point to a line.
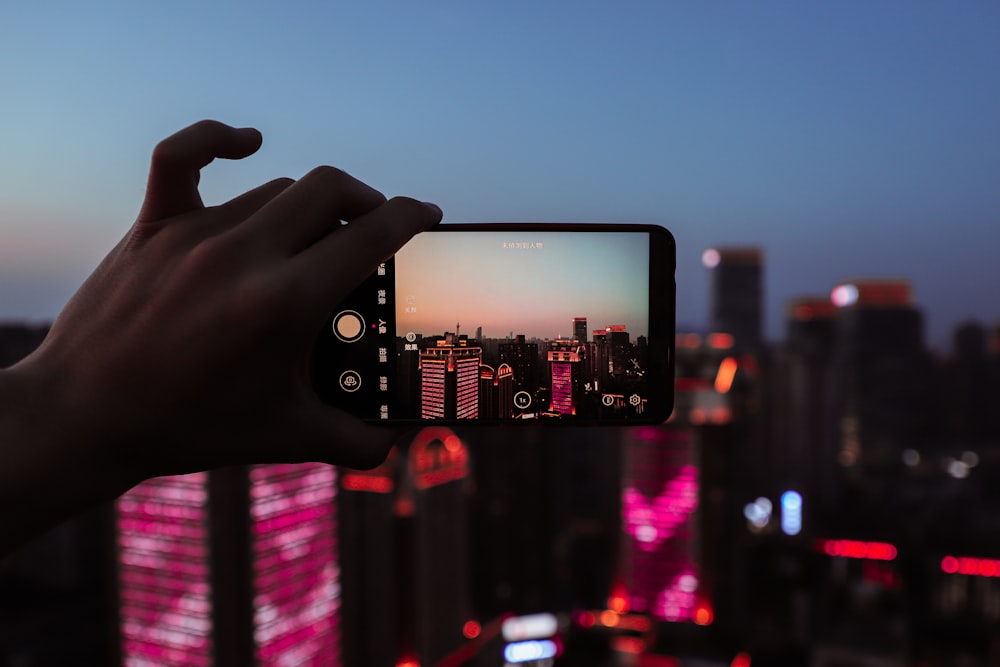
504 323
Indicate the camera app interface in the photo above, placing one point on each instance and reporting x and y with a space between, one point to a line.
498 326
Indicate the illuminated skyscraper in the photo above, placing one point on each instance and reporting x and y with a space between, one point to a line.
659 500
736 293
496 392
580 329
237 566
449 380
566 373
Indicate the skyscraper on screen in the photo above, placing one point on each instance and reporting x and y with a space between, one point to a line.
449 380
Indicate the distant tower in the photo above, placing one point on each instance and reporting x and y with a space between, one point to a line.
736 293
522 357
880 373
580 329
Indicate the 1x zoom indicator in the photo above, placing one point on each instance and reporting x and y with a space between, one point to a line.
349 326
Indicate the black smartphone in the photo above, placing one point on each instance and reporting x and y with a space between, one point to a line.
509 323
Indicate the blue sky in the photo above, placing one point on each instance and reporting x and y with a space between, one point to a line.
847 139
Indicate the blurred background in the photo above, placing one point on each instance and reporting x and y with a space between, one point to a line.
822 494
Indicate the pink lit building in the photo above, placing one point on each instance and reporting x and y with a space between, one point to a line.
237 566
659 504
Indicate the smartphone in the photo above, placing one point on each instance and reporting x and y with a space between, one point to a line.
509 323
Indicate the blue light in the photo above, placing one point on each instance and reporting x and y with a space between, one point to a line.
791 513
533 649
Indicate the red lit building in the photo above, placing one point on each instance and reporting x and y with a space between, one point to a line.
449 380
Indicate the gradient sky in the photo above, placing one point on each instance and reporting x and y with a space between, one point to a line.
472 279
847 139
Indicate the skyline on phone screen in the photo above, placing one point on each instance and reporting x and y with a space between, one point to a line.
528 283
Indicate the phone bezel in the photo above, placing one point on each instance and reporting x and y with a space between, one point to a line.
661 335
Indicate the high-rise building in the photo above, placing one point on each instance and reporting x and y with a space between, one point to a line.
736 293
619 350
580 329
236 566
880 374
449 380
522 357
405 556
808 352
496 392
566 376
659 502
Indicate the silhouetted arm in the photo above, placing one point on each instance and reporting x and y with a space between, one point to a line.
187 348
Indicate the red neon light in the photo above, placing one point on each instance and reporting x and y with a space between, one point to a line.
471 629
858 549
632 645
703 614
586 619
618 600
371 483
976 567
724 378
741 660
720 341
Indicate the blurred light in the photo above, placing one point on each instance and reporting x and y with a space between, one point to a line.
609 618
741 660
722 415
688 341
970 459
532 626
976 567
633 645
720 341
635 622
710 258
408 662
471 629
958 469
844 295
911 457
363 482
724 378
758 512
858 549
533 649
586 619
791 513
697 416
703 614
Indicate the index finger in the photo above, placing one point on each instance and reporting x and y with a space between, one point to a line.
177 160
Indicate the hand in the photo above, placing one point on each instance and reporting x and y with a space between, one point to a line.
188 347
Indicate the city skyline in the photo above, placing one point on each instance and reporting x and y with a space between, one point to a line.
522 283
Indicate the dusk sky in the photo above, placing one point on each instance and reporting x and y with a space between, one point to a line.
535 285
847 139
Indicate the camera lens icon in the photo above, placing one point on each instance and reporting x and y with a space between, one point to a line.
350 381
